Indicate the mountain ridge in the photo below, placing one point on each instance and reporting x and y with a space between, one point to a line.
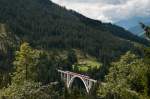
46 25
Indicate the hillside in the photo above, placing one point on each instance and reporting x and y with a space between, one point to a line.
8 43
46 25
111 28
38 37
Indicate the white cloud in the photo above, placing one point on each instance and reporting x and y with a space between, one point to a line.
108 10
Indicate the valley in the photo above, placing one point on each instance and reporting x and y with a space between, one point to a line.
39 37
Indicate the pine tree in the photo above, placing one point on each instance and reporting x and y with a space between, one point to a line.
25 64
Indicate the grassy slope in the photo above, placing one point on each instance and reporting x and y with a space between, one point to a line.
86 62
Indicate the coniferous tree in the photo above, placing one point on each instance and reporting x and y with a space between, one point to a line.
71 59
25 64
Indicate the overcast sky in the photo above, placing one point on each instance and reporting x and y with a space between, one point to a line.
108 10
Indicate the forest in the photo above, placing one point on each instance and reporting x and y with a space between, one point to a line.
37 37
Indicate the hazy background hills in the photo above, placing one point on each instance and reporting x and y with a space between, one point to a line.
133 25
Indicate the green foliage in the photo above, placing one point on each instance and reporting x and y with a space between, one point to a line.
47 25
147 60
34 65
26 62
126 79
146 29
72 57
147 54
28 90
5 78
8 42
30 67
87 64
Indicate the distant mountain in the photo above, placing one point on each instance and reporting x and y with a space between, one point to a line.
133 25
137 30
132 22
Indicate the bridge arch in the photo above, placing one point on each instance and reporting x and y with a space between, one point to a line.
69 77
72 80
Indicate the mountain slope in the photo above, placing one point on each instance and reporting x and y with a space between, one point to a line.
46 25
114 29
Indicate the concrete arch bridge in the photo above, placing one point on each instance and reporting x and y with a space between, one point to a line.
68 77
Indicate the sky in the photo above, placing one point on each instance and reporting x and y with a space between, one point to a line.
108 10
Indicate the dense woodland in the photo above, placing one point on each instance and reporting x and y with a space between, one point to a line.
37 37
